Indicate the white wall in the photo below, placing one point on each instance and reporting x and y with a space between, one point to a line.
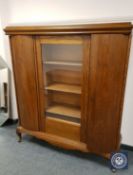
74 11
5 19
2 52
65 10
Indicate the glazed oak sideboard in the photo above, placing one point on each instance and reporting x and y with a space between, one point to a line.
70 83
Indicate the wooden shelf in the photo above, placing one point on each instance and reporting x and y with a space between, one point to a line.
63 63
64 88
64 110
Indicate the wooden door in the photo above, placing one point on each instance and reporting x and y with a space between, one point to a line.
23 56
108 64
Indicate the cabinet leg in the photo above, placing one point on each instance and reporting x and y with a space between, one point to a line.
19 135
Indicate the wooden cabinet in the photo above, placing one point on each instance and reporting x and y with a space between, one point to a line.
70 83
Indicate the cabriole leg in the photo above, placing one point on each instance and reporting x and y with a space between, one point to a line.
19 134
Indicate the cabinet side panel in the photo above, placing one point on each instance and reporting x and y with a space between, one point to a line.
25 80
107 79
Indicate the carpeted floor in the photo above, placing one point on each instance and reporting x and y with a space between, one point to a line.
35 157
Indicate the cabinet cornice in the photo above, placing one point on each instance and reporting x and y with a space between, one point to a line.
70 29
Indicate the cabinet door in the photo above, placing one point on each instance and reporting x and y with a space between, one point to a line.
25 80
62 69
108 64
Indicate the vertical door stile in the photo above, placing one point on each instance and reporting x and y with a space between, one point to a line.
85 87
41 97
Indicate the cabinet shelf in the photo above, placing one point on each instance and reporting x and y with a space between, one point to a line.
64 88
63 63
64 111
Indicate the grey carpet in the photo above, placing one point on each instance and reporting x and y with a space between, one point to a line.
3 117
35 157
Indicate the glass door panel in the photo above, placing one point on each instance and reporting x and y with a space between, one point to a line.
62 65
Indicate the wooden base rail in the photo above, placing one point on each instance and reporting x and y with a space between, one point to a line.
57 141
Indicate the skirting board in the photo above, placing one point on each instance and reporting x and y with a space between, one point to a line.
12 121
126 147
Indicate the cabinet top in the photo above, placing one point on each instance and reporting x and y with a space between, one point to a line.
70 29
